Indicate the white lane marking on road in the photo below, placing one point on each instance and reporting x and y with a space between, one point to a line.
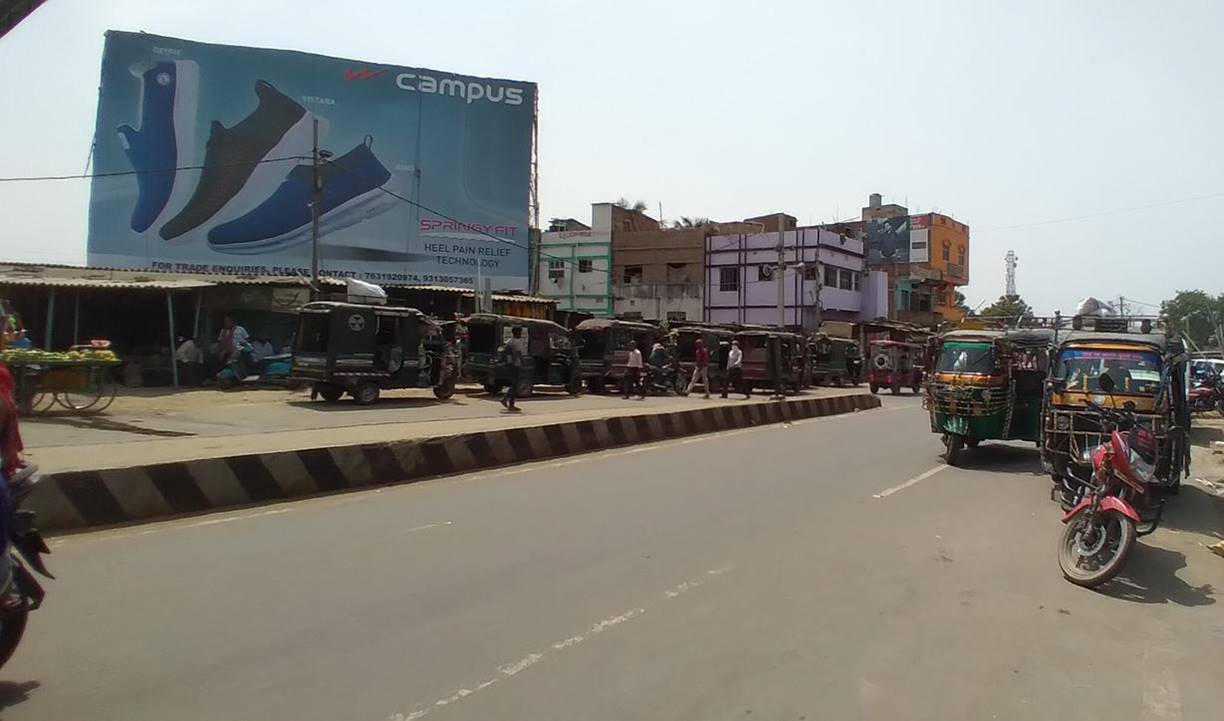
916 479
531 659
426 527
686 586
215 521
1161 692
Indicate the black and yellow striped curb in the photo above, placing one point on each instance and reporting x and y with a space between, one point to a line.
82 499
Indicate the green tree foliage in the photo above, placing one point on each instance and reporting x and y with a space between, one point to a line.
1194 313
1011 307
637 205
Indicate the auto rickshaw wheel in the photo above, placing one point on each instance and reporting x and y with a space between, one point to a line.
329 392
972 442
492 386
874 389
366 393
952 448
896 388
446 390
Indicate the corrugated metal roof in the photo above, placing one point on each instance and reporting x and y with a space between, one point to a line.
468 291
104 283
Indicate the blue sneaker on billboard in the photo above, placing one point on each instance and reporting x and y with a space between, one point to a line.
352 192
166 138
236 166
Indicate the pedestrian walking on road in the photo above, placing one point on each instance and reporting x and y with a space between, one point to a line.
512 359
633 372
701 369
735 371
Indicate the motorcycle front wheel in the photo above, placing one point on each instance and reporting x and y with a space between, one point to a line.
1093 547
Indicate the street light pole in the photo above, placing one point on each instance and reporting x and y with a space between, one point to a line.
780 273
315 197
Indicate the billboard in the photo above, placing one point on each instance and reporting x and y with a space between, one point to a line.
888 240
203 162
920 239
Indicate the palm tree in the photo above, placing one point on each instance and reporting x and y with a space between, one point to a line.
638 206
694 222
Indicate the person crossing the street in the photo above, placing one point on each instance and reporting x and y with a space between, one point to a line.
701 368
512 360
735 371
633 372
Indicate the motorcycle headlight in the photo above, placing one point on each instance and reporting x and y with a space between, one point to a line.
1062 423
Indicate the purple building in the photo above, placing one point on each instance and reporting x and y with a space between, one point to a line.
825 271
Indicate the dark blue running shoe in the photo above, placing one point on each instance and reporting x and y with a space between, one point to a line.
351 193
166 137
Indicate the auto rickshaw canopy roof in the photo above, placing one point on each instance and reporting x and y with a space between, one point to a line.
1156 341
515 320
605 323
328 306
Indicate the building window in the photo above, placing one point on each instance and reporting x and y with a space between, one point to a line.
947 253
585 265
905 300
845 282
728 279
556 270
676 315
857 281
810 271
633 274
960 256
924 302
830 276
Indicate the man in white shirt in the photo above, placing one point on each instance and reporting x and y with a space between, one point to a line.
735 371
633 371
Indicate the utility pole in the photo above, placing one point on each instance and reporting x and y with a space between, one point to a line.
819 285
780 272
315 197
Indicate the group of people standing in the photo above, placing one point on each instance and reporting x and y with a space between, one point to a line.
731 363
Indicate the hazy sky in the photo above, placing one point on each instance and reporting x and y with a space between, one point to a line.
1001 114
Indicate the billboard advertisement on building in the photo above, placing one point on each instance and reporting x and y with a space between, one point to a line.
203 162
920 239
888 240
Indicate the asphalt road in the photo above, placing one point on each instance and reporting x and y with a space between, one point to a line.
829 569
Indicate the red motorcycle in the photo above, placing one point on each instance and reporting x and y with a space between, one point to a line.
1117 504
1207 395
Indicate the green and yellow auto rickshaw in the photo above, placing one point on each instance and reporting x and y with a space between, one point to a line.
987 385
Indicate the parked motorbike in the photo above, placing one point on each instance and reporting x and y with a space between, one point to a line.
25 544
664 380
1116 504
1208 395
243 369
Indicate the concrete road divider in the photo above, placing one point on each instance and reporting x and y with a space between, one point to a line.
83 499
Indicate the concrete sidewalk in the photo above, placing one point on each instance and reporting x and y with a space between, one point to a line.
125 482
279 421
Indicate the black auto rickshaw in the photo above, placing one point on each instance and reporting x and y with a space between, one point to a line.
551 357
1148 371
684 341
834 361
768 353
362 349
603 349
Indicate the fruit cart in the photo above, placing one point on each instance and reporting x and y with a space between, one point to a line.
78 380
